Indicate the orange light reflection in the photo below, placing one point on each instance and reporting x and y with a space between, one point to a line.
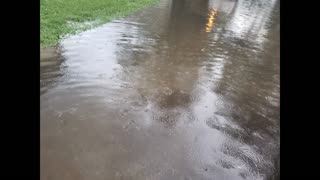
211 19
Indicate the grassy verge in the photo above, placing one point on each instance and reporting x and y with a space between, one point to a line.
57 17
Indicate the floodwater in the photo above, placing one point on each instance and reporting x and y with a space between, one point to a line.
185 89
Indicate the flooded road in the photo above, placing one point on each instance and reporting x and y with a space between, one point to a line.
186 89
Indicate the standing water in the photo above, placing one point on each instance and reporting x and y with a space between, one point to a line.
186 89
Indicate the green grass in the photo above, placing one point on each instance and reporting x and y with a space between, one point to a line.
55 15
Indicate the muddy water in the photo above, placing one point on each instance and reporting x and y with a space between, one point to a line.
186 89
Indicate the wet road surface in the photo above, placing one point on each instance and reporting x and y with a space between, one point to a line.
186 89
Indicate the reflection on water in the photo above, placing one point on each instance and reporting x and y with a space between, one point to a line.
187 89
211 18
250 18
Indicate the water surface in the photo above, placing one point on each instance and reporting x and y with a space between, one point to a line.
186 89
